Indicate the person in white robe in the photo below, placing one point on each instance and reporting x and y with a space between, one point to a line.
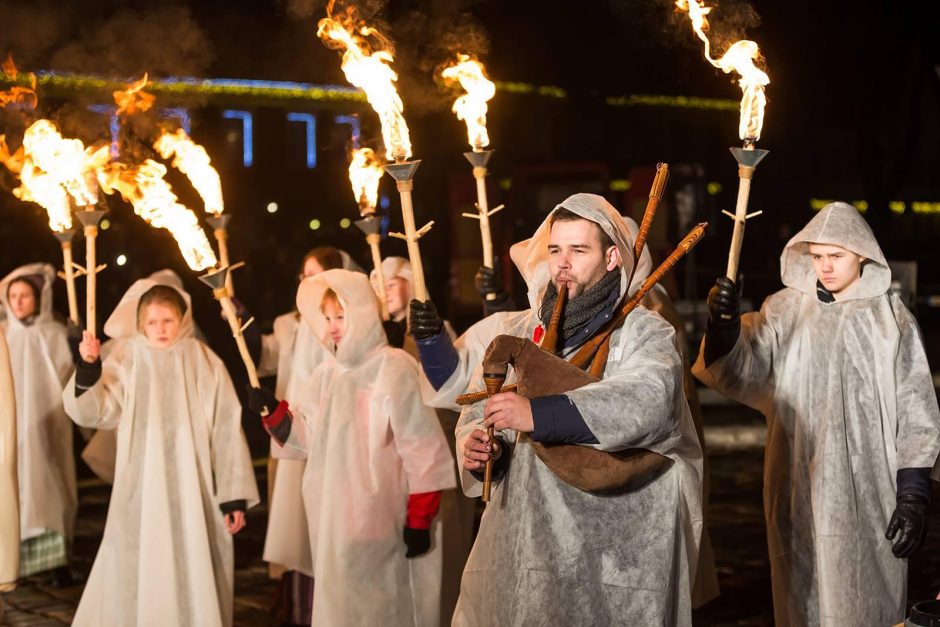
41 363
183 474
377 462
836 364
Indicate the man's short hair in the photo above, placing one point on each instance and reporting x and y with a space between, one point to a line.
566 215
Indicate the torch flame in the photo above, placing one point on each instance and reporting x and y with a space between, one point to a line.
471 107
371 72
154 201
67 161
365 172
48 193
24 96
193 161
134 100
739 58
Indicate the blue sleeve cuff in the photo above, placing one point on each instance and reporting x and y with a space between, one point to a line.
438 358
557 420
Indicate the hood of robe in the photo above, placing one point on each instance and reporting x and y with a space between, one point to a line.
838 224
42 273
122 323
349 263
364 331
396 267
531 256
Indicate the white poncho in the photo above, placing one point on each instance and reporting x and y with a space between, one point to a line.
371 443
9 497
849 400
548 553
42 363
166 557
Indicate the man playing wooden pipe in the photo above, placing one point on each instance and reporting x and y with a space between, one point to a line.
548 552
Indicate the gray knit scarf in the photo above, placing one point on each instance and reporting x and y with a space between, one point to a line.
580 309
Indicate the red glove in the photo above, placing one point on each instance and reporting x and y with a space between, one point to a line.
422 508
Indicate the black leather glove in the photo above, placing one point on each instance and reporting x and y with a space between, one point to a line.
73 335
394 333
423 320
724 320
909 524
724 304
486 281
418 541
261 401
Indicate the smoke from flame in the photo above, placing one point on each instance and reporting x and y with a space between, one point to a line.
192 160
153 200
471 106
739 58
365 172
370 71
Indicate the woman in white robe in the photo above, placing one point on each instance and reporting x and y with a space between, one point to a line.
42 363
183 474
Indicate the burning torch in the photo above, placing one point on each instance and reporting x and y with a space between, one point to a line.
192 160
471 107
371 71
739 58
68 163
365 172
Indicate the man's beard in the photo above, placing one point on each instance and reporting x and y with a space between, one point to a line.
579 288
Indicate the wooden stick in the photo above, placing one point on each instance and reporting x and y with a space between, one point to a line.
493 385
411 238
484 216
68 270
652 204
91 278
374 239
228 309
221 236
745 174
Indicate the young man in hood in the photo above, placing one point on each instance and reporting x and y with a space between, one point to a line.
836 364
546 550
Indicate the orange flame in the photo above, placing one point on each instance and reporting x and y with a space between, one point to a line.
192 160
739 58
12 161
154 201
371 72
471 107
48 193
365 172
134 100
24 96
66 160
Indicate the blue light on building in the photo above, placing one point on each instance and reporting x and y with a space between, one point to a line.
354 127
181 114
248 149
311 126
